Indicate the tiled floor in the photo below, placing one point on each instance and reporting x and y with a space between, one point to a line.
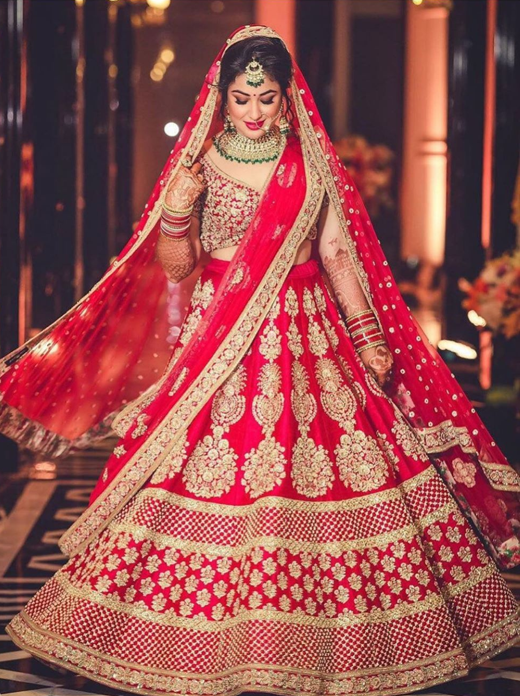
39 503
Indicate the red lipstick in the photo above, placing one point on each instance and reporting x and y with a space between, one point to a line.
254 125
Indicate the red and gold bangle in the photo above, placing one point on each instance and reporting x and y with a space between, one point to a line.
175 224
381 342
364 330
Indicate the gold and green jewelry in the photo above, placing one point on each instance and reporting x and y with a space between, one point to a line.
240 148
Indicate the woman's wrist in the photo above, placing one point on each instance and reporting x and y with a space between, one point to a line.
175 224
364 330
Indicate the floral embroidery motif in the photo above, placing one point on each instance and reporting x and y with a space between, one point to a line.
464 472
200 300
311 472
406 439
388 449
337 399
119 451
229 404
318 342
321 303
264 466
361 463
173 462
140 427
211 468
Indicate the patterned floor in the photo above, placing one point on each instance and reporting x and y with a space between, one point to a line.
39 503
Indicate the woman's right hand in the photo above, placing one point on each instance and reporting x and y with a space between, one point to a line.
185 187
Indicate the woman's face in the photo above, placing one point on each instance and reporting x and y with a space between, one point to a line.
250 107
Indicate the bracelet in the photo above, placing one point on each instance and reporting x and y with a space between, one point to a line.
180 226
363 329
354 321
358 314
177 212
174 237
371 345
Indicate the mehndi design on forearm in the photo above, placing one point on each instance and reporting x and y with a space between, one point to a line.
361 321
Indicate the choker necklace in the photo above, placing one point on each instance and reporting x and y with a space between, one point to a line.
240 148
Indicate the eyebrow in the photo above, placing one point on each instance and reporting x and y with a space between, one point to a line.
248 95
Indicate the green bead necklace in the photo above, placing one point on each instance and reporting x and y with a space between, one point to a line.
239 148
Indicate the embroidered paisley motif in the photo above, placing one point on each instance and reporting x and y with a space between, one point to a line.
264 466
312 472
337 399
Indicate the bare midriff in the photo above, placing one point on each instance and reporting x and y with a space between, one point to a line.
303 254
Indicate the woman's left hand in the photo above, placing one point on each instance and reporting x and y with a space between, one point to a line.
379 361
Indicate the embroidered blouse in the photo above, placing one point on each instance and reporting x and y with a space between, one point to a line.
226 208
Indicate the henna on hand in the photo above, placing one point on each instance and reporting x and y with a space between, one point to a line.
379 361
176 257
185 188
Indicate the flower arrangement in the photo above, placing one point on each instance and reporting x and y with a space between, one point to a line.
372 169
493 299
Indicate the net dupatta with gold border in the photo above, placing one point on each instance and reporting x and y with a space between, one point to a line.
426 392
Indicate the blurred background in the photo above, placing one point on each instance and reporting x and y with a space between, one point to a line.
422 98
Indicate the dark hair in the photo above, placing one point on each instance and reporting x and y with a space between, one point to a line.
270 53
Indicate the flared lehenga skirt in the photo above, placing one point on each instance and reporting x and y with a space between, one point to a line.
299 539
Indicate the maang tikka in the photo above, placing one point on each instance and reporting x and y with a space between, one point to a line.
254 73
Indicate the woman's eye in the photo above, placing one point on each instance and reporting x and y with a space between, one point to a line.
241 102
271 101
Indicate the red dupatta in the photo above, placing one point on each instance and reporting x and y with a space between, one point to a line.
424 388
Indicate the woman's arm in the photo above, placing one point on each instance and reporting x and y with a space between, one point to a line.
178 258
175 246
361 321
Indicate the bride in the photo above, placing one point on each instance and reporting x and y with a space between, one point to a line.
302 499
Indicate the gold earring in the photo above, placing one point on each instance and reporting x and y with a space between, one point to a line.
284 126
229 126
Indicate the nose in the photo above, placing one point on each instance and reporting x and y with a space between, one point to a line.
255 112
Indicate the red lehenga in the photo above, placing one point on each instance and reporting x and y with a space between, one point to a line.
270 520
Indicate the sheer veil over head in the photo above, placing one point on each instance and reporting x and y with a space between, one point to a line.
111 361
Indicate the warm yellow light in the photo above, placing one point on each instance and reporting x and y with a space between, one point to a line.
80 3
417 2
112 71
159 69
462 350
167 55
156 76
476 319
159 4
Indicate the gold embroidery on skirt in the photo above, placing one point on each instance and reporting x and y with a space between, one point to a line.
265 465
362 465
407 439
311 472
336 397
322 307
211 468
173 463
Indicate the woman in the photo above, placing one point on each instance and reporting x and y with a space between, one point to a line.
278 514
